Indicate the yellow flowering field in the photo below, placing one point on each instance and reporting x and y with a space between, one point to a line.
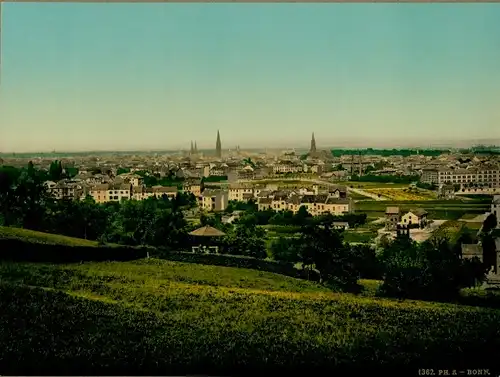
162 317
400 194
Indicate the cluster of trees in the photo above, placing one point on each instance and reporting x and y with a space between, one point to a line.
426 186
55 172
25 202
430 270
388 152
243 237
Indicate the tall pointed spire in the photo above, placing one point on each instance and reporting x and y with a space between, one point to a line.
218 146
192 148
313 144
195 148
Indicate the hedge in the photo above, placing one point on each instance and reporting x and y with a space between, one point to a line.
22 251
226 260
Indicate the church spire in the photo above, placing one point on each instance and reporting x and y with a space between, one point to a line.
195 148
192 148
313 144
218 146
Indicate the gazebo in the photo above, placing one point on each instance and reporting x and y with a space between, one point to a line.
206 233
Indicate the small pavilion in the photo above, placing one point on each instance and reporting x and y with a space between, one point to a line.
206 235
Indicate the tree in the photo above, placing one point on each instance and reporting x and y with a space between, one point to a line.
489 223
369 169
300 218
285 249
55 170
322 247
81 219
247 240
366 261
488 242
29 200
122 171
169 230
431 270
31 168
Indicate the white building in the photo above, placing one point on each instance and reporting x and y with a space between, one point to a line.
214 200
483 177
286 167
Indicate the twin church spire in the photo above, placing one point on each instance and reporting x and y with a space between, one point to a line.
218 146
194 148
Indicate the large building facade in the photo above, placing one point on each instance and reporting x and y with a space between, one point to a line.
464 177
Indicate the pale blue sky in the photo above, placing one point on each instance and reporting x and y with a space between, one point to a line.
137 76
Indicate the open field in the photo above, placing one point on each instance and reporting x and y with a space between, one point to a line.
437 209
449 229
284 182
308 181
372 185
365 233
403 194
154 316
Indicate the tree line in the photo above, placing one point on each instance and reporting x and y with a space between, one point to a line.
388 152
432 270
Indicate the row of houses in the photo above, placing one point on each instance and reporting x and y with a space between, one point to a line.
118 190
315 204
317 201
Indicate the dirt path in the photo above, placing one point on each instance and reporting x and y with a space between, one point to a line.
477 219
366 193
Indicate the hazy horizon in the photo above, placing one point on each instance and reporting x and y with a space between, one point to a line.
303 148
131 76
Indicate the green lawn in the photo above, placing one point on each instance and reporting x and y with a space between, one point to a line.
154 316
437 209
360 237
469 216
473 226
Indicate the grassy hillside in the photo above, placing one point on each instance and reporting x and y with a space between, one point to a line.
40 237
162 317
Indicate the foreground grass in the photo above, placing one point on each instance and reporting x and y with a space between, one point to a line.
153 316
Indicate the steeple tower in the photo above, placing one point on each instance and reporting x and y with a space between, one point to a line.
195 148
218 146
192 148
313 144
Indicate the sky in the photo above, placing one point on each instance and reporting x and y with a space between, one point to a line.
156 76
